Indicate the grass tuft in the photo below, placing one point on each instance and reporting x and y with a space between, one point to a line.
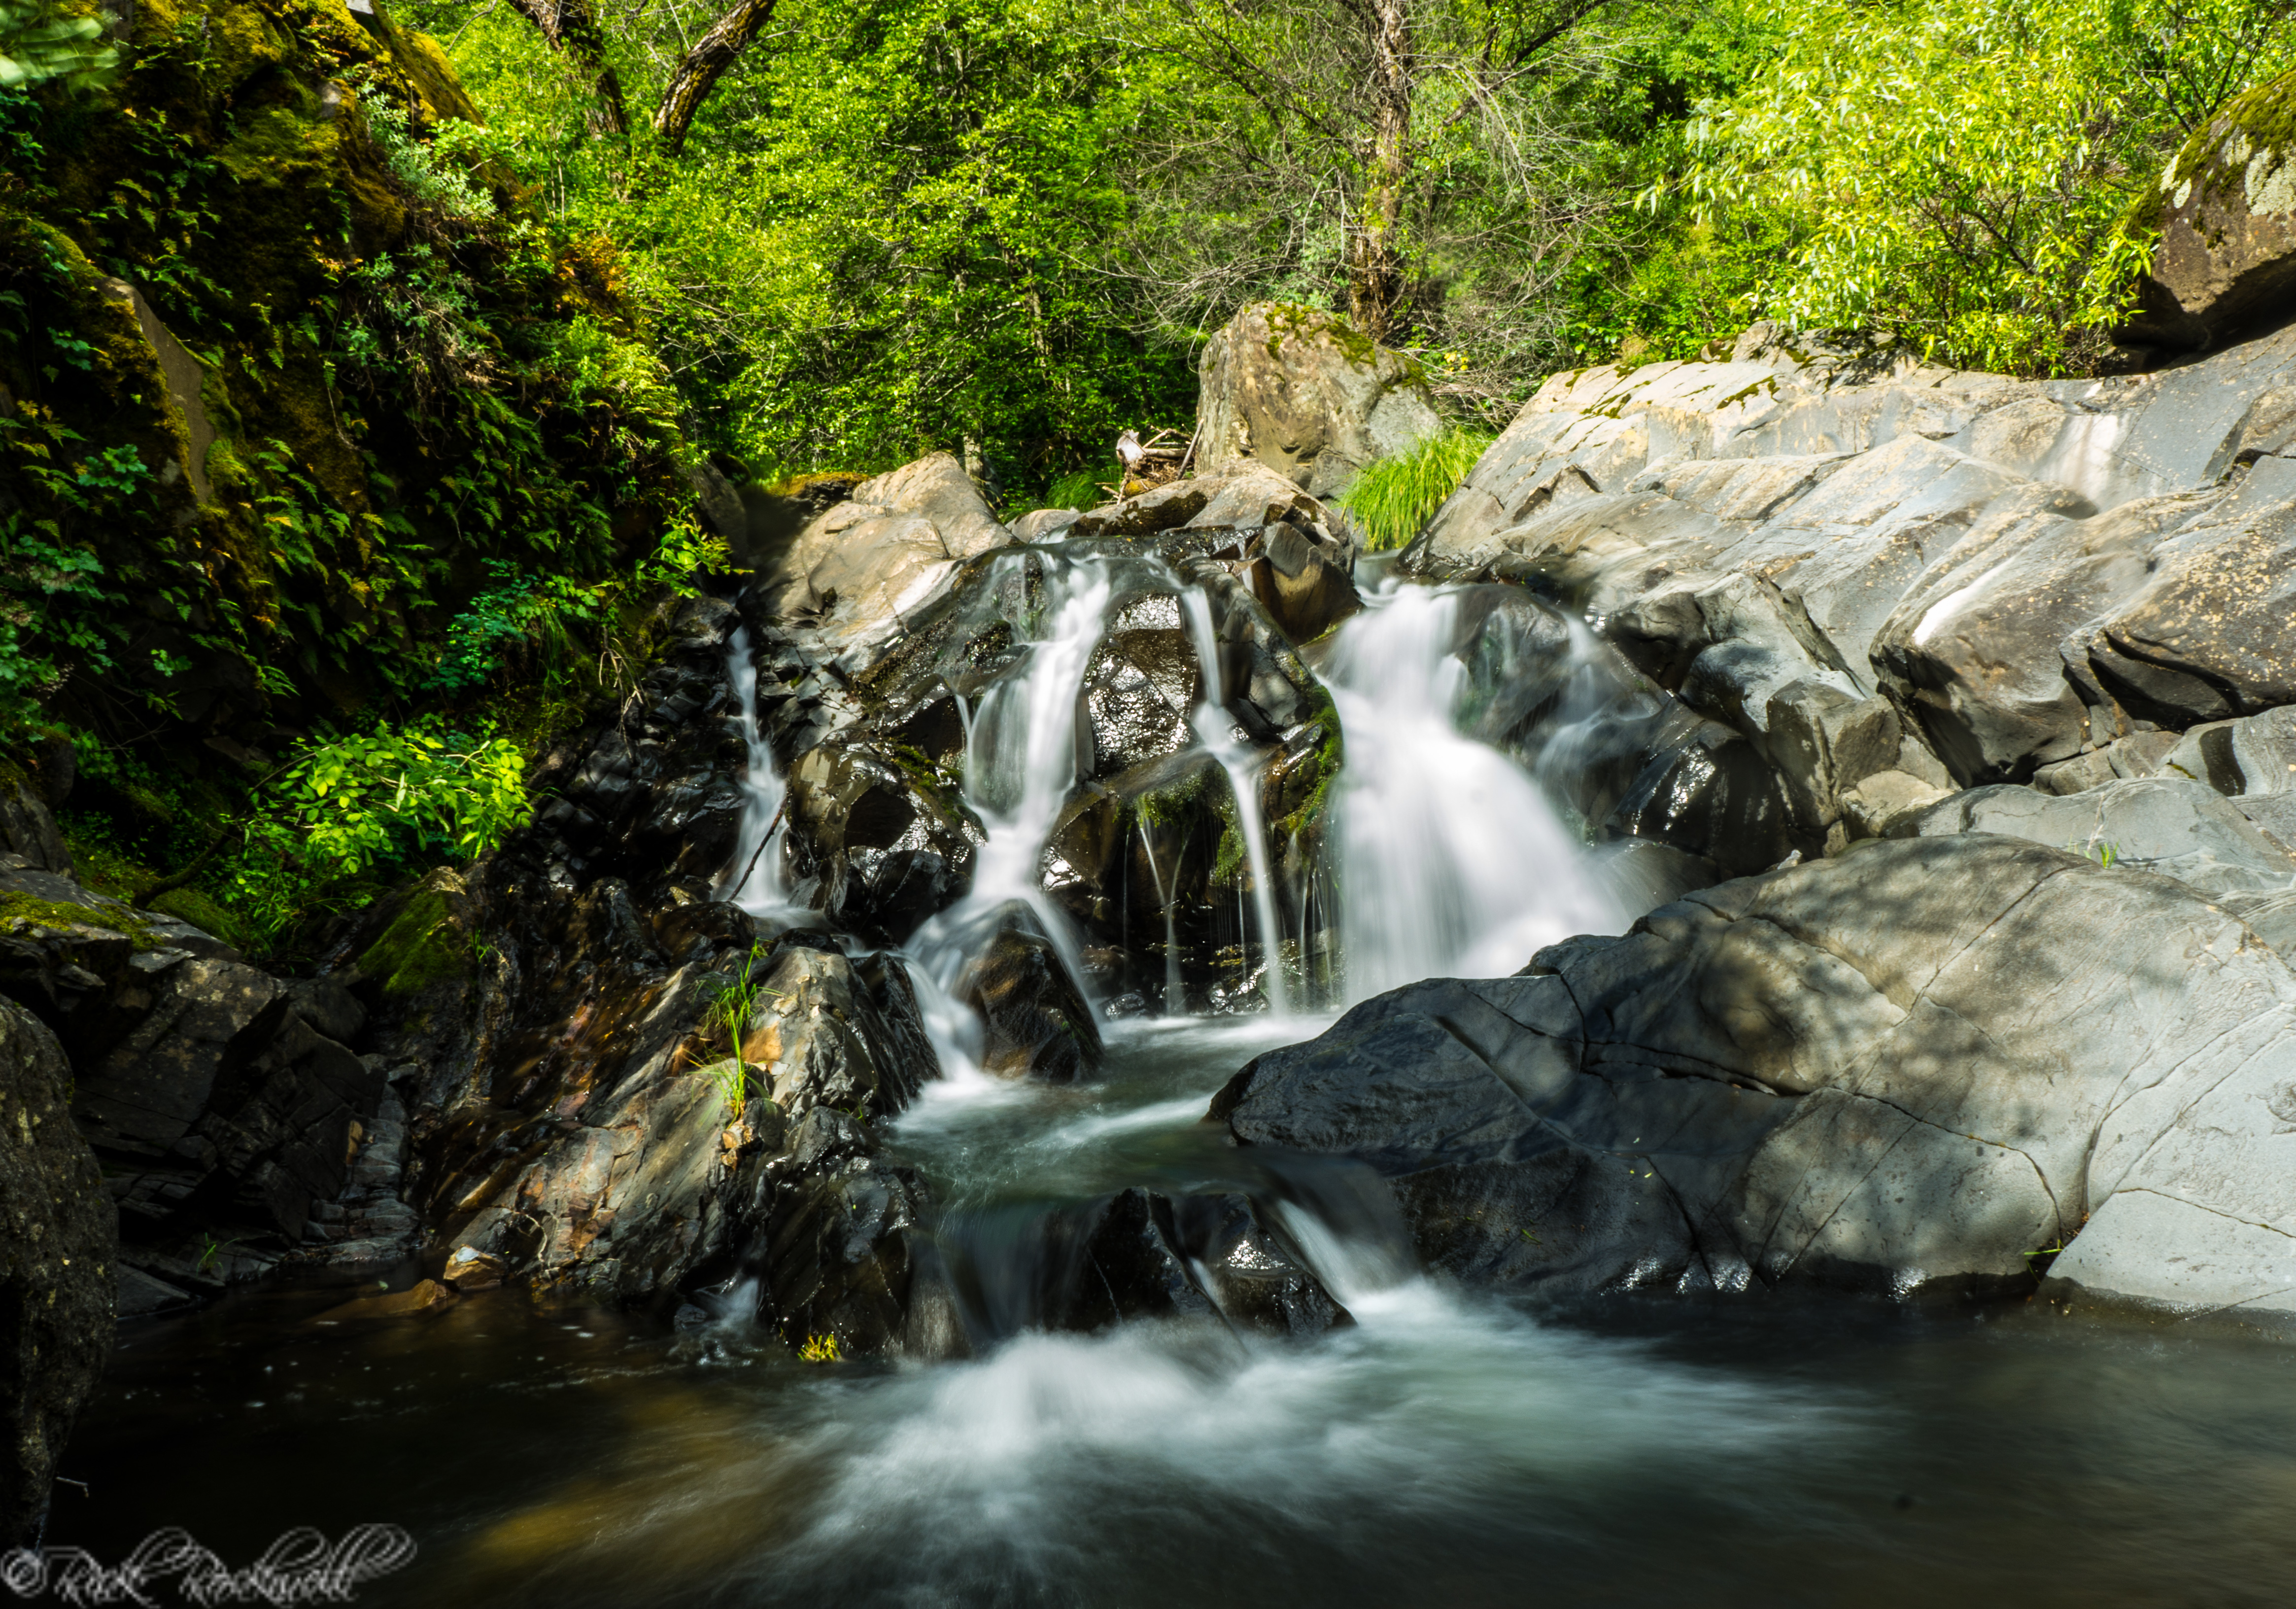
1394 498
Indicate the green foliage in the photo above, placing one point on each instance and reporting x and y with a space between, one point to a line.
1393 499
39 42
348 801
733 1078
1077 488
1961 173
430 169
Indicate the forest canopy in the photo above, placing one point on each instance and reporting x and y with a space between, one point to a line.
892 226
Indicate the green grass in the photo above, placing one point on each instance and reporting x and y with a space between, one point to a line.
1392 499
1079 489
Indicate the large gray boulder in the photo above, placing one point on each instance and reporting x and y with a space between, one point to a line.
2028 571
58 1253
858 569
1919 1064
1306 394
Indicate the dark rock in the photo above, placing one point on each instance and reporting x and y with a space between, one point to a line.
1037 1024
1846 1072
59 1245
1711 793
875 842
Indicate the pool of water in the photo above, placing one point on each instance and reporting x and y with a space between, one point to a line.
1445 1450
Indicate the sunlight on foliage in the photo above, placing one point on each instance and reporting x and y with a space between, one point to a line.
1393 499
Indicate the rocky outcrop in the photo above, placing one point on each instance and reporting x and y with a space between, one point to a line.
1303 393
1034 1022
59 1264
2026 573
859 569
2226 208
1924 1064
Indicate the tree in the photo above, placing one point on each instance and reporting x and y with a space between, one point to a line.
572 29
1422 163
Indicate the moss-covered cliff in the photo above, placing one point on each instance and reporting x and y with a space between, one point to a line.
290 372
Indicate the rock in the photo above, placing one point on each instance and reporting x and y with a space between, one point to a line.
1708 792
873 842
1876 805
1306 585
59 1245
425 1296
2254 756
2028 571
1046 524
2167 824
1141 687
1142 1255
1301 392
142 1296
1908 1067
30 831
2227 218
1037 1025
633 1183
856 572
1165 507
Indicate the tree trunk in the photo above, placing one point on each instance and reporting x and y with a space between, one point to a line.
571 29
1374 242
704 65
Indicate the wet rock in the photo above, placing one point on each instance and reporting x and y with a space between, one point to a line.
59 1244
424 1296
1036 1024
1142 1255
1303 393
1709 792
1141 688
1837 1074
873 842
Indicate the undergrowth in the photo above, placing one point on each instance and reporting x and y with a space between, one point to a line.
1393 499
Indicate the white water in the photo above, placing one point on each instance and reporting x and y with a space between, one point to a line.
1020 765
753 877
1452 862
1215 728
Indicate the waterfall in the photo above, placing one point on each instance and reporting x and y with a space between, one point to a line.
1452 862
1020 765
753 877
1216 729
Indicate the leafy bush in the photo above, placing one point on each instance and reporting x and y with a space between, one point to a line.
39 43
1394 498
1962 170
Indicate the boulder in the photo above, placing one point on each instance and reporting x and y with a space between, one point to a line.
1303 393
2028 571
856 572
2179 829
59 1250
2226 208
1918 1065
873 841
1036 1024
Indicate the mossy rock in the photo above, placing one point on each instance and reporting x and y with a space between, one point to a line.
201 910
425 942
2225 207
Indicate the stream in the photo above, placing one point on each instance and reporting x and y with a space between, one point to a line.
1444 1448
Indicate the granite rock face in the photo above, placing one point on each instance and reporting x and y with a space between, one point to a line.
1299 392
1914 1065
2026 573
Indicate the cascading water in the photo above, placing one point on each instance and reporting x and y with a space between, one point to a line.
1020 765
1452 862
1216 730
753 877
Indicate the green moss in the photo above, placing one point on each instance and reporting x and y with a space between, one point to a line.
201 910
1289 318
1171 806
423 945
56 913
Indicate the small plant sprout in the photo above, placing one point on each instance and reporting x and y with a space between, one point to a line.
733 1077
821 1349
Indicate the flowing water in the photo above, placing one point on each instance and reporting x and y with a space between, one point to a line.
1445 1449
